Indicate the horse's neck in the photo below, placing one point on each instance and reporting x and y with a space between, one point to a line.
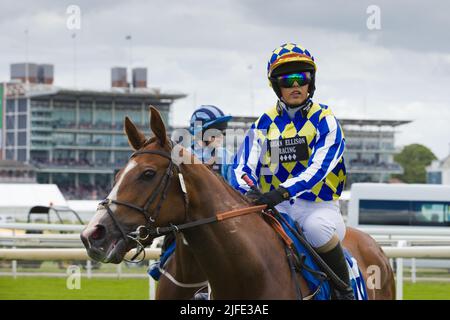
233 253
209 194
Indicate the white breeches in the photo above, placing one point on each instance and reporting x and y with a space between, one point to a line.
318 220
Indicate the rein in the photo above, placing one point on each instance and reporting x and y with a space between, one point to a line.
143 232
160 231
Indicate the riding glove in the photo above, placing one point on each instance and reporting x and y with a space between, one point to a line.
274 197
253 194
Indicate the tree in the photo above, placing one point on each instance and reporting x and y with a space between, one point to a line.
414 158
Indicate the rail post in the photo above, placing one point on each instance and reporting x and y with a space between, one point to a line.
413 270
399 273
151 284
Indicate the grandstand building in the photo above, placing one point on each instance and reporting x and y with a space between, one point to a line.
16 172
74 138
438 172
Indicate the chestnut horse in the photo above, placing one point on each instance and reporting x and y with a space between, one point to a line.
242 257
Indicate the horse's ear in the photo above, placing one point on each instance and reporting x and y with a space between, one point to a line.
157 126
136 138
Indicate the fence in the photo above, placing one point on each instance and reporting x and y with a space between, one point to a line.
398 249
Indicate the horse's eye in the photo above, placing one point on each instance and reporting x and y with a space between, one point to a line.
148 174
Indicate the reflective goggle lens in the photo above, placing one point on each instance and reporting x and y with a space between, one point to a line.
288 80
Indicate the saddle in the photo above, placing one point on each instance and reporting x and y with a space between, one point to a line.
303 259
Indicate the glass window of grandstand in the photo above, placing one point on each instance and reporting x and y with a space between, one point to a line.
10 122
43 178
434 177
22 155
86 189
41 135
39 156
67 139
103 115
10 139
404 213
22 138
354 143
41 115
64 157
372 144
133 111
66 184
64 114
40 104
10 154
86 115
84 179
43 125
102 158
121 140
121 158
10 106
367 159
22 105
387 145
22 121
103 182
101 140
85 157
84 139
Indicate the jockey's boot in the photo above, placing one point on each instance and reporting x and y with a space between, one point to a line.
333 255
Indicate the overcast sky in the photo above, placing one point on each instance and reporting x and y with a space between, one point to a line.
217 51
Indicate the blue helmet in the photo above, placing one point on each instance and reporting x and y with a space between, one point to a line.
206 117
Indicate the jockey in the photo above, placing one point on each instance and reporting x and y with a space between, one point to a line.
207 128
293 153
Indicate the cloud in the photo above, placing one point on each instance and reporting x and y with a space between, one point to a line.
205 48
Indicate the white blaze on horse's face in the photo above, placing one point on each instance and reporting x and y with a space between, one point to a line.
115 190
113 194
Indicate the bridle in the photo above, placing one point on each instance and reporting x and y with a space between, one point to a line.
143 232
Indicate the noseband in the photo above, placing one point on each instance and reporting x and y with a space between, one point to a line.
143 232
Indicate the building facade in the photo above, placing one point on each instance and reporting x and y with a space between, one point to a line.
75 138
370 149
16 172
438 172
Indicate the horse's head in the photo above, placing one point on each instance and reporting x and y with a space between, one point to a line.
144 197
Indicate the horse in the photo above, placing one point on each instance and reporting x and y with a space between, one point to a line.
240 254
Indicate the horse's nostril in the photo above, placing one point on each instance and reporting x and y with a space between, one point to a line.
98 233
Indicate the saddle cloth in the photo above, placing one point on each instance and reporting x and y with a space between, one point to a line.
356 278
153 270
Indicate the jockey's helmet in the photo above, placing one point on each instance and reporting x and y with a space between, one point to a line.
290 58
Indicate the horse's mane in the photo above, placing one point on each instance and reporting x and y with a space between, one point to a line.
227 185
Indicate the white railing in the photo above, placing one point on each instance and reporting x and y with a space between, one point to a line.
63 254
399 253
42 226
402 243
71 240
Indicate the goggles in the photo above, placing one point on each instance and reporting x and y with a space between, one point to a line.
288 80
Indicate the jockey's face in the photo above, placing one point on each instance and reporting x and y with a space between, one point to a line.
295 95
